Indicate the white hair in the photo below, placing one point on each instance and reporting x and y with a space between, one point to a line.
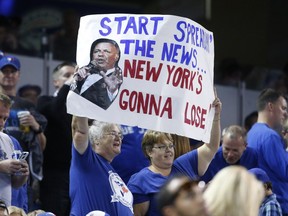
98 128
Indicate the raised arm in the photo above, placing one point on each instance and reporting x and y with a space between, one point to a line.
207 151
80 130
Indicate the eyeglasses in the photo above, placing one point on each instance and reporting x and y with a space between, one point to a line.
165 147
114 134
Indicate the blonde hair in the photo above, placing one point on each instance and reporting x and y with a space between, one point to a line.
15 209
35 212
5 100
234 192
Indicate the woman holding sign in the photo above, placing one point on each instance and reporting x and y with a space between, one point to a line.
94 184
160 150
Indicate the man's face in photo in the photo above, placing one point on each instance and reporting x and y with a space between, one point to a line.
105 55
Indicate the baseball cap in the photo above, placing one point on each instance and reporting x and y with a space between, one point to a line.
260 174
9 60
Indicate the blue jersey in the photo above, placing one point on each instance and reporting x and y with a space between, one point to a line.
145 184
249 160
272 158
94 185
131 159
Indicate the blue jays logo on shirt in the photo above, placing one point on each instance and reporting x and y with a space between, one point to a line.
121 193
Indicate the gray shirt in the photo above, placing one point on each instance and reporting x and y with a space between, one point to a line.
6 150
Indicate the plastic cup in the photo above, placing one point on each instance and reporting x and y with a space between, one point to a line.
20 115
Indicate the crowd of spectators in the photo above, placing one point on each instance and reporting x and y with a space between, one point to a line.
60 41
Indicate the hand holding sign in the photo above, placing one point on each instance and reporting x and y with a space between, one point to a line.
157 71
217 104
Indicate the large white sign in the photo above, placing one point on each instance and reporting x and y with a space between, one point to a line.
153 71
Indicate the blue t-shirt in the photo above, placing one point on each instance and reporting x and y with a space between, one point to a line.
131 159
94 185
272 158
249 160
145 184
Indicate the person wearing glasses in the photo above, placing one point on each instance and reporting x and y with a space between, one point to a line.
159 148
94 184
183 196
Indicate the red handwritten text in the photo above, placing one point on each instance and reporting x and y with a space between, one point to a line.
145 103
142 70
195 115
184 78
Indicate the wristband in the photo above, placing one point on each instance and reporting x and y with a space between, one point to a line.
39 130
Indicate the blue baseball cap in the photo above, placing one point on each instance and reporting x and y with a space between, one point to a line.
260 174
9 60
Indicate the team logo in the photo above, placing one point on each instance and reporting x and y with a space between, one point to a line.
121 193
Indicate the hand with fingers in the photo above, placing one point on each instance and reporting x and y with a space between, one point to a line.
217 104
113 81
24 170
10 166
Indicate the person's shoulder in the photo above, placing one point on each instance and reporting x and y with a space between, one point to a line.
271 199
250 151
6 136
15 142
261 130
9 139
143 172
218 155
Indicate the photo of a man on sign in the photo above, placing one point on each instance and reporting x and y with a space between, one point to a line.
100 80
